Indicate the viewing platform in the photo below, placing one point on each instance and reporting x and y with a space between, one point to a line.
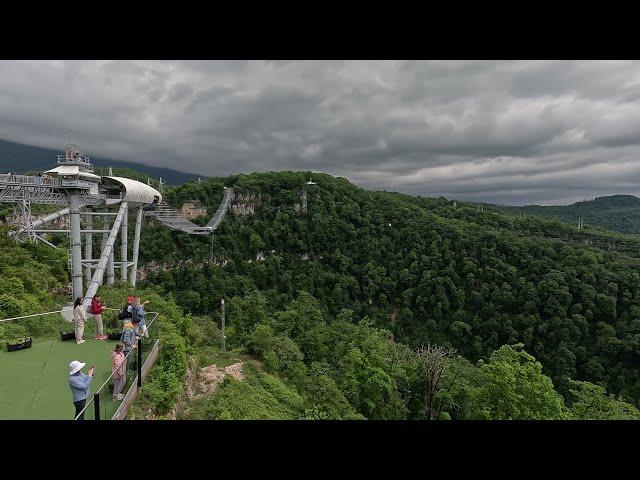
34 382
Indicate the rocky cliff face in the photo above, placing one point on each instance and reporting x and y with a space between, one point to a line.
192 210
301 207
244 204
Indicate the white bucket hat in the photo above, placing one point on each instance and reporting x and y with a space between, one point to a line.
75 367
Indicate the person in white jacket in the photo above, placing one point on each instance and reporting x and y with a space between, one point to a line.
80 317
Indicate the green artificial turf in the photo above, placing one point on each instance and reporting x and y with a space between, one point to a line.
34 383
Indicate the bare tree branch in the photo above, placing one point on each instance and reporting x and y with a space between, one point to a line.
434 359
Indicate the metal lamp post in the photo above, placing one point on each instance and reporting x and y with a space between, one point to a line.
222 312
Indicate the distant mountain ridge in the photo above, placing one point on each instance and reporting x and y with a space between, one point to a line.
17 157
614 212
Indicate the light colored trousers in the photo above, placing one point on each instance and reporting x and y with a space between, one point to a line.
141 329
79 329
99 326
118 384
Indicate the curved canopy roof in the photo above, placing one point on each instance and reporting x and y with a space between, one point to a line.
72 171
134 191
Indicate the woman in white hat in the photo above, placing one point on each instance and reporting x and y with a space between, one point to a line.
79 384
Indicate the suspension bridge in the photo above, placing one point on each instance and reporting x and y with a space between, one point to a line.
83 194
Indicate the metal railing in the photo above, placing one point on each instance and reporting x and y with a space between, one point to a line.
29 316
98 406
37 326
173 219
30 180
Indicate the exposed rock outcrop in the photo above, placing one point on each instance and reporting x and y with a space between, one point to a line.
193 209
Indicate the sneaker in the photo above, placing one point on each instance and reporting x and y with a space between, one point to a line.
79 341
120 396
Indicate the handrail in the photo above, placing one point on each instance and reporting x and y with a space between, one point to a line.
30 180
173 219
28 316
126 358
58 311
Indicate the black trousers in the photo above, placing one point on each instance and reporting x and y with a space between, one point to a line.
79 406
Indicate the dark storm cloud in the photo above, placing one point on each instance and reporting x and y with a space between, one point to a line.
498 131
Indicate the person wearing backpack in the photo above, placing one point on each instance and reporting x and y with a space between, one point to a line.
138 317
96 310
126 310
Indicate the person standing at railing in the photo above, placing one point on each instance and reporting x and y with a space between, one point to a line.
96 310
79 384
128 338
118 368
138 317
80 317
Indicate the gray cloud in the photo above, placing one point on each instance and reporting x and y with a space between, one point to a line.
498 131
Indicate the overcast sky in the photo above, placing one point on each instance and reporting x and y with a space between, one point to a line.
544 132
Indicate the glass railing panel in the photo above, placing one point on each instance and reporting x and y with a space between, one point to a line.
149 341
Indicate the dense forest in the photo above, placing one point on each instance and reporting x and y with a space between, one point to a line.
616 212
374 305
427 270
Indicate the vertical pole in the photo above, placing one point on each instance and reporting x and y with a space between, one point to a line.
105 226
110 268
88 246
76 246
123 247
96 406
136 246
223 336
139 362
104 255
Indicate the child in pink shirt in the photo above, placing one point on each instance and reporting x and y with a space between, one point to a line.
118 368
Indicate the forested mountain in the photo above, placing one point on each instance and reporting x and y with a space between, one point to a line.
427 270
19 158
353 304
615 212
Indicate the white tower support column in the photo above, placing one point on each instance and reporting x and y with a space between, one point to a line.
110 265
136 246
88 247
106 253
103 243
111 270
123 247
76 246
